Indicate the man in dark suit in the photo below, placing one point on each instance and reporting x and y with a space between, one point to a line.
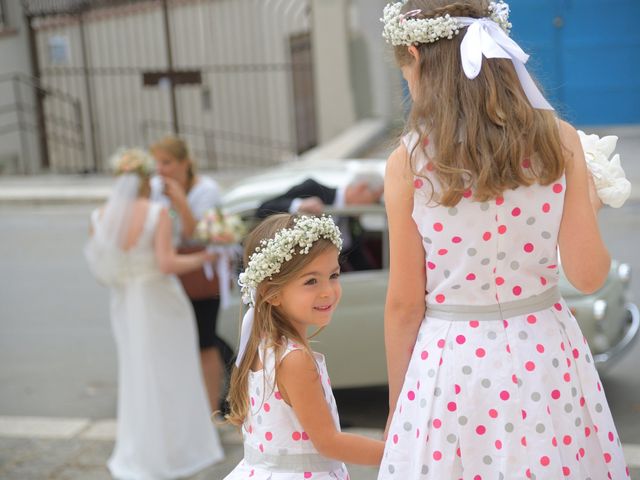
311 197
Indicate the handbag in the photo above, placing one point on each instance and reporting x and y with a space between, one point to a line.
195 283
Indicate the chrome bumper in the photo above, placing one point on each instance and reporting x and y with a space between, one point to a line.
608 357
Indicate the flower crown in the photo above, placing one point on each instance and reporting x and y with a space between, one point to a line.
132 160
272 253
404 29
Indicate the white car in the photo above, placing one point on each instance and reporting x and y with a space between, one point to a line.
608 320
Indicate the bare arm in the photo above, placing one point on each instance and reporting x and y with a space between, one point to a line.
168 260
299 384
405 305
585 259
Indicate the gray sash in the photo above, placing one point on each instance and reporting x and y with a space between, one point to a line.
297 463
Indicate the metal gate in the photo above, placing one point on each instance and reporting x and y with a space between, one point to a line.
224 74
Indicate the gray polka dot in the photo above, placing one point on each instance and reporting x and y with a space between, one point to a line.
501 255
487 460
437 392
431 373
451 438
486 286
455 287
546 235
578 422
484 206
540 428
492 335
425 469
486 383
535 396
407 426
568 407
466 370
258 391
514 265
587 358
501 476
423 403
543 261
392 469
446 273
453 211
531 220
485 261
259 419
522 335
508 427
472 252
427 240
555 362
519 383
574 392
463 420
533 476
598 408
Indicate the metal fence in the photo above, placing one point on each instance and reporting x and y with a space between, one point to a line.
233 77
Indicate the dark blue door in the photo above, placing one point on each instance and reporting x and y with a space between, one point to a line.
586 54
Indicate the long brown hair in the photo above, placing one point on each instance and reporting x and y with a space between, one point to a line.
485 133
269 322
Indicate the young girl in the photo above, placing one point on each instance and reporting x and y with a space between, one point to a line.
489 374
280 391
164 429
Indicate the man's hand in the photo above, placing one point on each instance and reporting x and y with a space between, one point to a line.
311 205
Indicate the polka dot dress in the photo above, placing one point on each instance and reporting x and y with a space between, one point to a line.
515 398
272 430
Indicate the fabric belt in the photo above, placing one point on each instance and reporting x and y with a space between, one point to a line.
498 311
296 463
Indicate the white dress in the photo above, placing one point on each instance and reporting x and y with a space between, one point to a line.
164 429
501 384
276 447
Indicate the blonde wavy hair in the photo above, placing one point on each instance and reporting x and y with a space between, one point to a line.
485 133
270 324
178 149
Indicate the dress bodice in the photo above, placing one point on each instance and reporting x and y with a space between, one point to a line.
481 253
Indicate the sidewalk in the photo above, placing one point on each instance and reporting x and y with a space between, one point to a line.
64 189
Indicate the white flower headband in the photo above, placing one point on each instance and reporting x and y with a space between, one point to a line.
269 257
486 37
132 160
271 254
405 29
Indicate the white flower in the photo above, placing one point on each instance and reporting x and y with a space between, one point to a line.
609 178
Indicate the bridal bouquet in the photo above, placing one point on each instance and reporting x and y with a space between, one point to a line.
609 178
217 228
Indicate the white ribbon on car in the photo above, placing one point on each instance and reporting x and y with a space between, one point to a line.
486 37
246 327
226 254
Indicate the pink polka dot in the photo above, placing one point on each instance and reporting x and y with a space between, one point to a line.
261 448
441 343
253 401
504 395
456 239
530 366
456 388
587 431
481 430
540 348
526 163
581 452
471 276
555 394
477 477
543 281
308 474
567 377
418 183
467 193
460 339
517 290
531 319
499 200
544 461
424 355
474 324
499 280
576 353
554 441
451 406
480 352
498 444
278 396
296 436
516 212
566 471
411 395
437 227
395 439
557 188
528 247
486 236
437 423
430 166
493 413
502 229
607 458
440 298
266 407
610 436
443 251
546 208
437 455
523 441
431 265
268 436
305 436
567 439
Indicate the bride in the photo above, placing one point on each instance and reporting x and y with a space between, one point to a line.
164 429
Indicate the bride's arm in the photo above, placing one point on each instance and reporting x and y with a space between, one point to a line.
168 260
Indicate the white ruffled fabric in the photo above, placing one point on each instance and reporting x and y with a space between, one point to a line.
612 185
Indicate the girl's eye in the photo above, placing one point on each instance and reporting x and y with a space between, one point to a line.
335 276
311 281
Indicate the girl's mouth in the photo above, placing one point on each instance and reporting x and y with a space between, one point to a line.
324 308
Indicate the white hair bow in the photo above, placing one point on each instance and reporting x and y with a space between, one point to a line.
486 37
246 327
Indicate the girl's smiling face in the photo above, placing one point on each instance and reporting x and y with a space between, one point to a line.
312 296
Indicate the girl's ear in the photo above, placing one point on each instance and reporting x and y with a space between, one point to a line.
274 301
413 51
